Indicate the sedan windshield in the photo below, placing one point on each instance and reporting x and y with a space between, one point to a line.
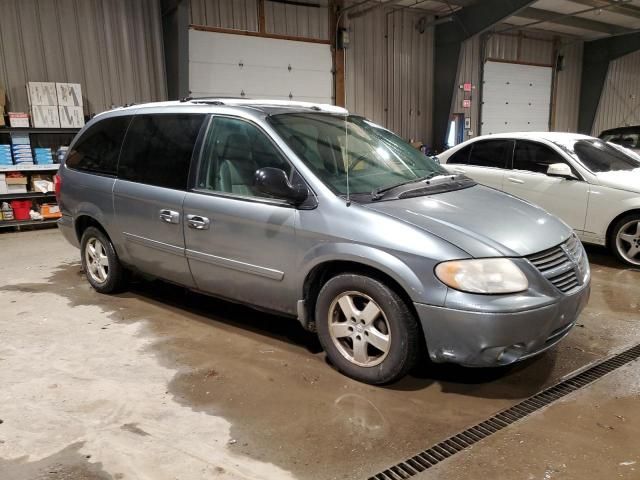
332 146
599 156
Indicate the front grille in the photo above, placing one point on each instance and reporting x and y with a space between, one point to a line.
563 265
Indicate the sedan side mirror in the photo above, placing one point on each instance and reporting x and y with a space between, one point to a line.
274 182
560 170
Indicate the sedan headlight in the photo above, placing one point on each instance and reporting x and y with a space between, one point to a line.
489 275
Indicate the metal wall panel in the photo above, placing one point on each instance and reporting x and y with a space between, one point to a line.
620 101
112 48
389 74
297 20
520 47
236 14
280 18
567 94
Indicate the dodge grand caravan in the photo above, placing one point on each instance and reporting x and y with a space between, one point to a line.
320 215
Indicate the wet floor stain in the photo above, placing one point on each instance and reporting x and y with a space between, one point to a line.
67 464
269 378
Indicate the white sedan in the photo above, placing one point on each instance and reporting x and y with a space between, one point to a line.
592 185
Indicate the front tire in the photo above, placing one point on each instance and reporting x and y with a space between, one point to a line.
366 329
100 262
625 239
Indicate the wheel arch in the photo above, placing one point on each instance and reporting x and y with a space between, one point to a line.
616 220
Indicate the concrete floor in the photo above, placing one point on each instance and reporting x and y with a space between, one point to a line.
158 383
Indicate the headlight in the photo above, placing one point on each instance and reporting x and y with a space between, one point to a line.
489 275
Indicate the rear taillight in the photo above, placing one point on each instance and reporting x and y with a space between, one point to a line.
57 185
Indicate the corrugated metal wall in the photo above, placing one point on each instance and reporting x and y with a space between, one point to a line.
620 101
535 48
567 98
520 47
280 18
297 20
236 14
113 48
389 74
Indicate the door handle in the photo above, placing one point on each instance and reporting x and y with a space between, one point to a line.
197 222
515 180
169 216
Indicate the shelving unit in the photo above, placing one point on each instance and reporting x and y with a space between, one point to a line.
26 223
17 196
39 137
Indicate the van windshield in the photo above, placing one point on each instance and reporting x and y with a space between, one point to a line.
331 145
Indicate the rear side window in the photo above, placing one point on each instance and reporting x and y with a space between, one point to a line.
491 153
534 157
98 149
461 156
158 148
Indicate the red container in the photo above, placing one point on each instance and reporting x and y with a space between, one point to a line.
21 209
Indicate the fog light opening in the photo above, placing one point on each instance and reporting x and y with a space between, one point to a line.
511 354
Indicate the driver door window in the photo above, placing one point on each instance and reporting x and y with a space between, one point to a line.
233 151
534 157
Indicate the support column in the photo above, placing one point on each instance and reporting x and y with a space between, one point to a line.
449 36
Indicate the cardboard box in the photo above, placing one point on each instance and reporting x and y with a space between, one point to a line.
3 96
3 184
45 116
2 122
42 93
16 188
71 117
69 94
18 120
16 180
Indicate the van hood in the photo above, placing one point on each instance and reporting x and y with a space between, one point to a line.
628 180
481 221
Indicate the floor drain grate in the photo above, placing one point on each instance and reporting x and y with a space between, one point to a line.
452 445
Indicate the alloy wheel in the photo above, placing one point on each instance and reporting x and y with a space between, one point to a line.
628 242
359 329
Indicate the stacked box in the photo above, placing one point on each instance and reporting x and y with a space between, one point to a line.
70 105
61 152
5 155
45 116
42 93
3 184
43 156
21 149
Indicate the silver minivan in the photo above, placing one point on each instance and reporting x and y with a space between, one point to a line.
305 210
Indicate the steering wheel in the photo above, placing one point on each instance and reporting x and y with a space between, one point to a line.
361 159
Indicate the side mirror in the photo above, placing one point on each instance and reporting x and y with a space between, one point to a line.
274 182
560 170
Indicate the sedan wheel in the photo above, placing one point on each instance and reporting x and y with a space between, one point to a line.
627 240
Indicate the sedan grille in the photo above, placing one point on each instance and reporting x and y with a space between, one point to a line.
565 266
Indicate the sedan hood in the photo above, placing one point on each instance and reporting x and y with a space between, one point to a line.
628 180
481 221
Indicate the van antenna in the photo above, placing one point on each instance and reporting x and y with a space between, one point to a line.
346 130
347 163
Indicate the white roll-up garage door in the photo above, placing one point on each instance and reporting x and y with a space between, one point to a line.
223 64
515 98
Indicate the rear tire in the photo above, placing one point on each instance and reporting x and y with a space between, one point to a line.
366 329
100 262
624 240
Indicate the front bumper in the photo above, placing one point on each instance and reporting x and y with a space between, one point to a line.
485 339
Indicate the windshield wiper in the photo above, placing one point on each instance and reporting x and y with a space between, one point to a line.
379 192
